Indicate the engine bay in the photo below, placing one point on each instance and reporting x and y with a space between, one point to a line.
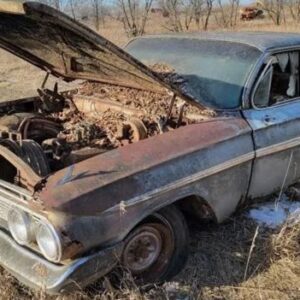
56 130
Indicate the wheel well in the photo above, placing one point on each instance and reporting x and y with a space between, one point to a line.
197 207
192 205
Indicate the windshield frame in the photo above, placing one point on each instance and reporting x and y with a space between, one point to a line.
249 78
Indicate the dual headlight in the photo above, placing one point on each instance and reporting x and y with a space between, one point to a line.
25 231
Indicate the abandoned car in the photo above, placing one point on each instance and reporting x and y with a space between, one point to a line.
250 13
104 174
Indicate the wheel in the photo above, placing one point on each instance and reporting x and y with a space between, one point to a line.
157 249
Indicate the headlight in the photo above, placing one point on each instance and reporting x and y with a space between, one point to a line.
20 226
49 242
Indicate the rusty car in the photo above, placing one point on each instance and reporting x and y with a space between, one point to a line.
250 13
91 179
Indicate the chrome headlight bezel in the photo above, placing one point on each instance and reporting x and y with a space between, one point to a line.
54 238
26 223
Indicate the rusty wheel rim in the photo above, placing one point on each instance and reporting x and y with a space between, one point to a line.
143 249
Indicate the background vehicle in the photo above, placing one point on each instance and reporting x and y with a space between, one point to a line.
251 13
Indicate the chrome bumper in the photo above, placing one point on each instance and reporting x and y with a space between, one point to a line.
36 272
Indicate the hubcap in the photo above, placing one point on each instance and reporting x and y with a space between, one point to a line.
142 250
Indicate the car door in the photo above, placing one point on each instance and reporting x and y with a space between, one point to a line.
275 120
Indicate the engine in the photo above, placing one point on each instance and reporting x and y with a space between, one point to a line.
60 129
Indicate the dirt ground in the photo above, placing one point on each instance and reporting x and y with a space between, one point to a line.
217 267
19 79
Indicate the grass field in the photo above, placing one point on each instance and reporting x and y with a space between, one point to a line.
217 267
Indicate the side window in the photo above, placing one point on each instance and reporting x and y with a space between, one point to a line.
279 81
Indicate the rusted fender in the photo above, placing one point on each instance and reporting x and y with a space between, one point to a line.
99 183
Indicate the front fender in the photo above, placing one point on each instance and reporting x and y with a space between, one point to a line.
106 196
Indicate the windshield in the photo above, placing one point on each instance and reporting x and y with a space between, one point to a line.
215 71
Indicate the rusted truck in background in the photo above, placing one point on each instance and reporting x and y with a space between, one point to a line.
82 191
250 13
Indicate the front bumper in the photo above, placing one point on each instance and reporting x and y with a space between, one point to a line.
36 272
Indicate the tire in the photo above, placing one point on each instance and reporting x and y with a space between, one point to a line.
157 249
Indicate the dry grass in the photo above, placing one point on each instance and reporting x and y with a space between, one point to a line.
215 270
113 30
219 254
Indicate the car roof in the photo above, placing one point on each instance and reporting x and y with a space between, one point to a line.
263 41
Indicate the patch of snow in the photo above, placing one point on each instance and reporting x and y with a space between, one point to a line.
275 214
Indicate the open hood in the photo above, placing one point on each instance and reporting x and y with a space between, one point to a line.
67 49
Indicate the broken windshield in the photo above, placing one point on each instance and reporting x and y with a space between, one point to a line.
215 71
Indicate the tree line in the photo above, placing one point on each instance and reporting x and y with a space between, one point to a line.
179 15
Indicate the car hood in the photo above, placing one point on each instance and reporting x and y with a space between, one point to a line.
69 50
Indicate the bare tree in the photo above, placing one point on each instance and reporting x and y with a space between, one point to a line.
209 7
234 11
198 11
181 13
228 14
97 13
188 11
274 8
202 11
134 15
294 8
72 8
173 11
